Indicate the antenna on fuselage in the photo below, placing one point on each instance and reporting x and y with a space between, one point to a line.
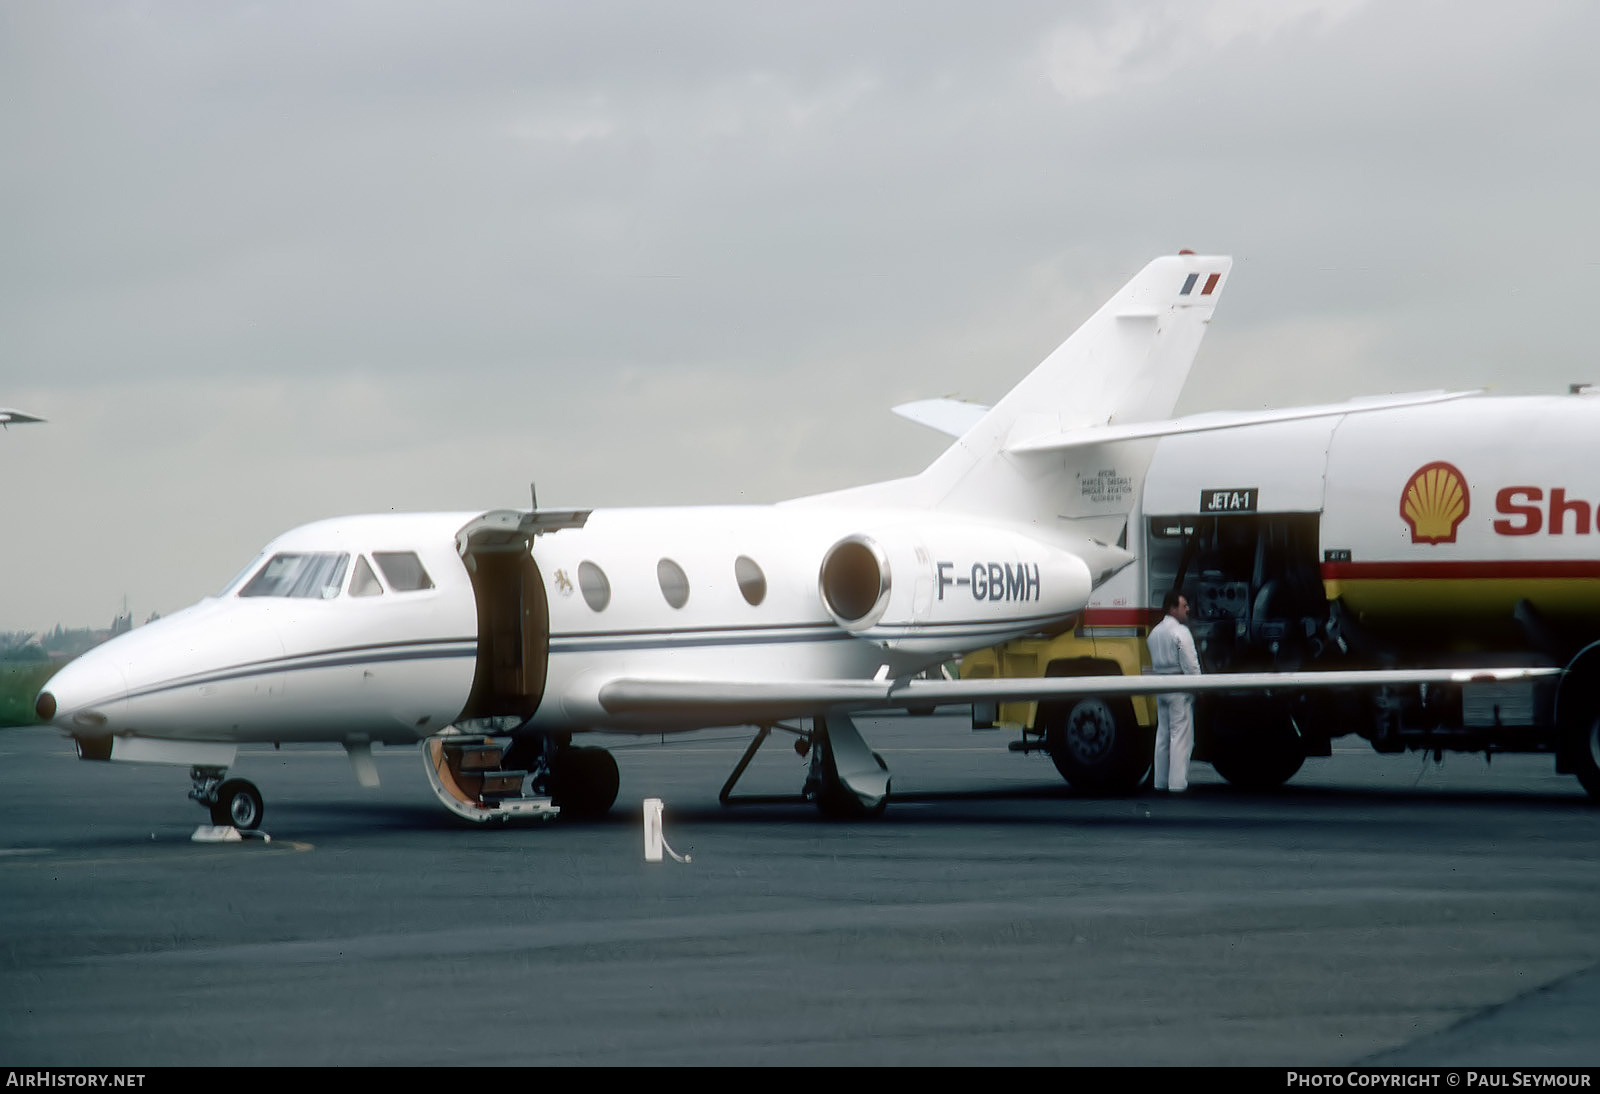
533 496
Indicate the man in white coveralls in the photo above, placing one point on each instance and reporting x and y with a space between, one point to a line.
1172 653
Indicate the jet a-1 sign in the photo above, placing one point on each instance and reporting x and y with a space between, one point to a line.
497 639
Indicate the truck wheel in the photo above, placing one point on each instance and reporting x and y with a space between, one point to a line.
1260 760
1096 744
1585 753
1578 721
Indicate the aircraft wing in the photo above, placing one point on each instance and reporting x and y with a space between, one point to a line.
728 701
9 416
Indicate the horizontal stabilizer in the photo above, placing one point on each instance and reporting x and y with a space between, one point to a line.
952 417
1223 419
730 702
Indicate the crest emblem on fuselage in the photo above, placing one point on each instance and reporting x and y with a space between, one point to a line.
1434 502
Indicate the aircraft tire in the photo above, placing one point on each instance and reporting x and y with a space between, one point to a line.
1096 744
583 781
238 805
1260 760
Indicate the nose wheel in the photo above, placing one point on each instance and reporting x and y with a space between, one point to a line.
239 804
234 803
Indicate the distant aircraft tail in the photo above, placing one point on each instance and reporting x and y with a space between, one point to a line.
9 417
1126 364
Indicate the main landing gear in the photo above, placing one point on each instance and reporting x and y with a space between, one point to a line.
234 803
846 779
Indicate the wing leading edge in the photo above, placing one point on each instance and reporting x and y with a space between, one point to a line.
728 702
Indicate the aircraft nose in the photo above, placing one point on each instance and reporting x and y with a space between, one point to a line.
80 696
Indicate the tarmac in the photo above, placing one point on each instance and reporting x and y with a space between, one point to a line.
1380 910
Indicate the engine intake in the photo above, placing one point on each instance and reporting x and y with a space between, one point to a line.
854 582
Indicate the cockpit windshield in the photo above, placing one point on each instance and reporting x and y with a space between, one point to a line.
313 576
239 578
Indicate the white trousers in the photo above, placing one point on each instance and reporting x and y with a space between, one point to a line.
1174 740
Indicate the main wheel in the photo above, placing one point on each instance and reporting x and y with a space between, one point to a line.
583 781
1096 744
1260 760
238 805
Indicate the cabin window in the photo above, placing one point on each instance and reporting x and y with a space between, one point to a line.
403 570
594 586
306 576
364 582
674 582
752 582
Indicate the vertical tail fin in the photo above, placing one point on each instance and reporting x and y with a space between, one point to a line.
1127 363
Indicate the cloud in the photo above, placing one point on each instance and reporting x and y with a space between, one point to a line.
268 263
1133 45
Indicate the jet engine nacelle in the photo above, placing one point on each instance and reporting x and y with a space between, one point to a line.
948 589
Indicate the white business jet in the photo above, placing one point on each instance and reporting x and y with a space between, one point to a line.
495 639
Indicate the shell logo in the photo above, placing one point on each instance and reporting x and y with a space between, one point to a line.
1435 502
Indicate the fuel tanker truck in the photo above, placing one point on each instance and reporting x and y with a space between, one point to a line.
1455 533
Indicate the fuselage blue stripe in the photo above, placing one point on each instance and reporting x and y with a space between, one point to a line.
580 642
650 640
302 662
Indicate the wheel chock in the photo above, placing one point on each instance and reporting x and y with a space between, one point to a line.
226 833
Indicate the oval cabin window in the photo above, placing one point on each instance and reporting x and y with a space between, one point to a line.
752 582
594 586
674 582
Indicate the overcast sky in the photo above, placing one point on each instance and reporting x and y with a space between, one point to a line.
263 263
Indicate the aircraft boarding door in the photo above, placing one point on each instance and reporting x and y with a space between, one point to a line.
513 621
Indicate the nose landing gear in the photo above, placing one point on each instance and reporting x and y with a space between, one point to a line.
234 803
